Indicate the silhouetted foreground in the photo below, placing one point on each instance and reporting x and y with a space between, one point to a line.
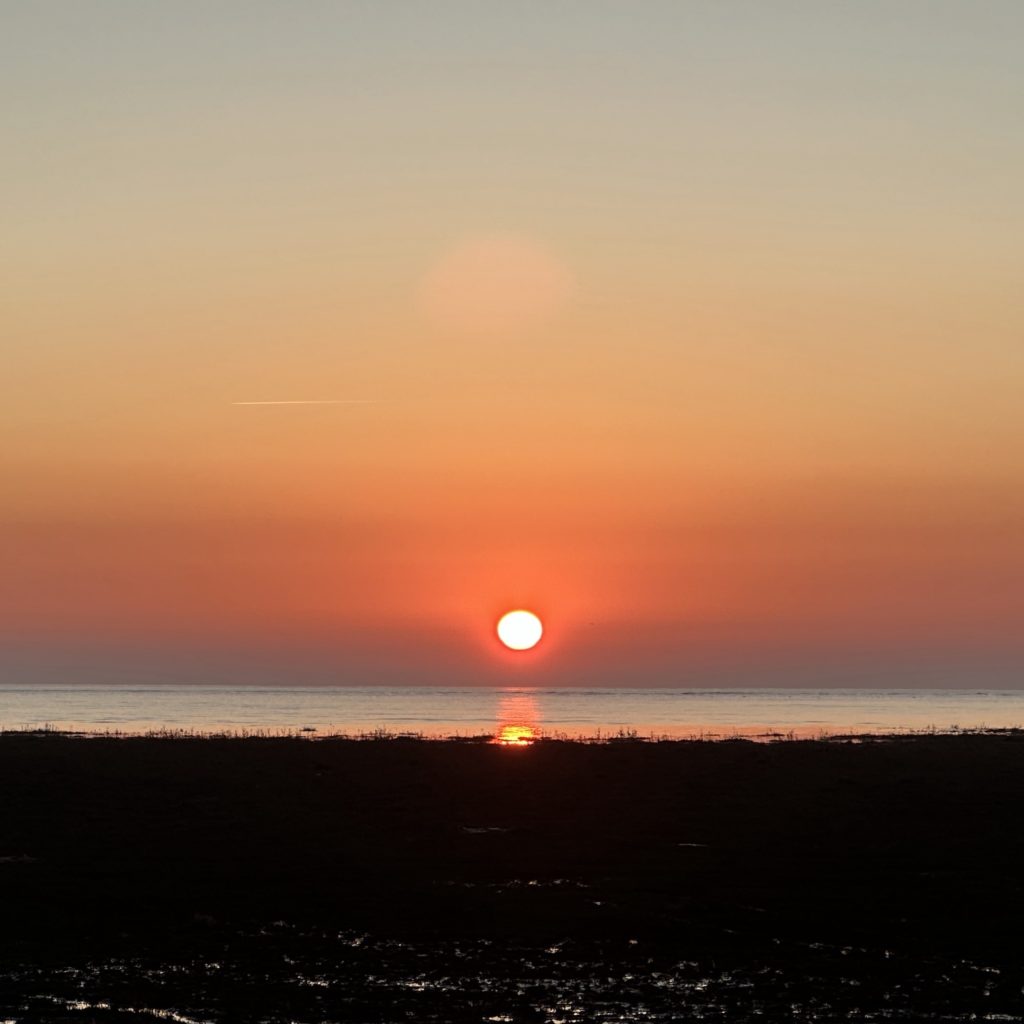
402 880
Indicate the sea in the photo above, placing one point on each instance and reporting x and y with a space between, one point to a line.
510 715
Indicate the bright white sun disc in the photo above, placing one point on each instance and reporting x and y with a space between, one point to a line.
519 630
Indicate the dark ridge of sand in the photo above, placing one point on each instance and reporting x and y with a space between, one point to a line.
806 858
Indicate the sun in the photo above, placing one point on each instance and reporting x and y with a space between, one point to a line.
519 630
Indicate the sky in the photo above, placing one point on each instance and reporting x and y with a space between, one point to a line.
694 327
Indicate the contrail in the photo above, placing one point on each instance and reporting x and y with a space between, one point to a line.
315 401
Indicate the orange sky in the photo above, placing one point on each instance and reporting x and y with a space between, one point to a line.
697 333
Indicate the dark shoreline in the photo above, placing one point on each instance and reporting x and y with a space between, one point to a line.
905 851
539 736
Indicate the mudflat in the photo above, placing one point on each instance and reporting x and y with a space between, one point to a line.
378 879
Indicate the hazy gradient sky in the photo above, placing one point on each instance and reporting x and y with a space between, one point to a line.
696 327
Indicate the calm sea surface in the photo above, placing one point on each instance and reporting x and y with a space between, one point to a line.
465 711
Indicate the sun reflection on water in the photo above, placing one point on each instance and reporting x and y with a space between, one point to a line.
518 719
516 735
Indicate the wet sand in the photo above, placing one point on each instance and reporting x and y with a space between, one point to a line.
339 879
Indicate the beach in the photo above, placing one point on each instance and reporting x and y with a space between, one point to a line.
878 874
